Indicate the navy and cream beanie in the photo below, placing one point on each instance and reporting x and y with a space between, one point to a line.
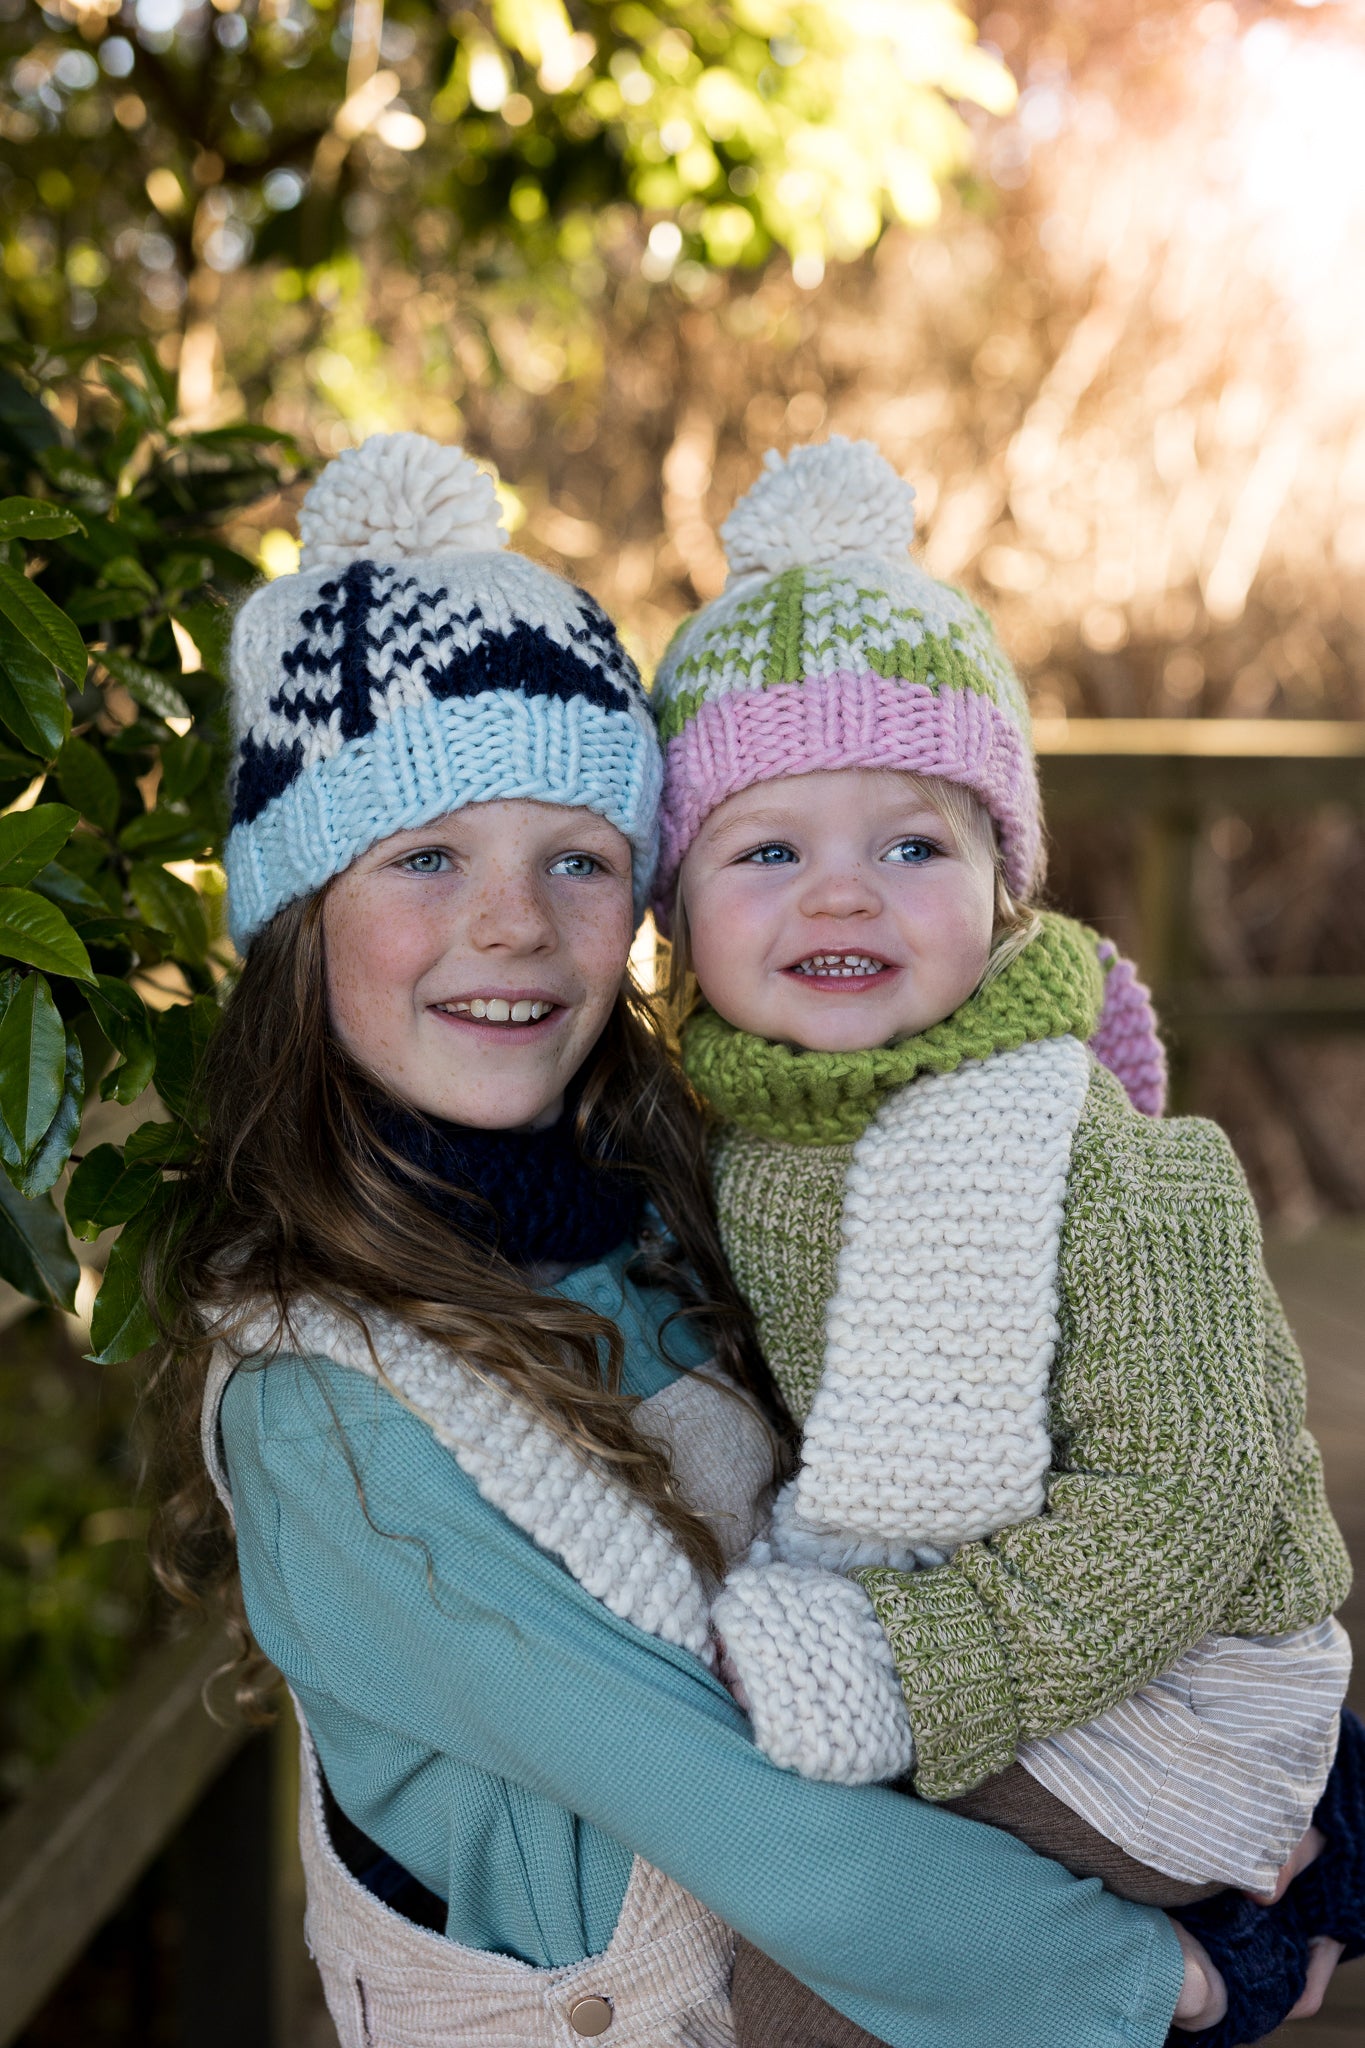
413 665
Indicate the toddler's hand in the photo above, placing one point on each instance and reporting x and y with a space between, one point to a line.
1203 1996
1306 1851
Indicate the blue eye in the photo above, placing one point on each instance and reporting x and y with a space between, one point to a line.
774 855
912 852
576 865
428 860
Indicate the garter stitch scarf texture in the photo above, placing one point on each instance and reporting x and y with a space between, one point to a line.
1055 985
541 1200
829 648
412 667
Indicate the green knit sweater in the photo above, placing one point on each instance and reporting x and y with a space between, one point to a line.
1177 1488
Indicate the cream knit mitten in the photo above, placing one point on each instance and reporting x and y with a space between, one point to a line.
817 1672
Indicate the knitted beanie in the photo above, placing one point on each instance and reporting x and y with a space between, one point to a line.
412 666
830 648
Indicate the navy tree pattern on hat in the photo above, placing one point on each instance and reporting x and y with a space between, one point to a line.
411 667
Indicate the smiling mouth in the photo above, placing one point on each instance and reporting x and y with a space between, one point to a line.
499 1010
841 967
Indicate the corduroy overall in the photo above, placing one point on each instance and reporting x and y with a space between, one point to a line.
664 1979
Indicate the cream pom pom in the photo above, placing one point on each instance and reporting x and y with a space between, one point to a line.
842 498
398 496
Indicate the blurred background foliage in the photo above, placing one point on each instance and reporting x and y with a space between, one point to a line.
1088 270
150 151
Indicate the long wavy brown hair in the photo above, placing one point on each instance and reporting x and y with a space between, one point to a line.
294 1193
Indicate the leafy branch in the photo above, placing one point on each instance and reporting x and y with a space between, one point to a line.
114 594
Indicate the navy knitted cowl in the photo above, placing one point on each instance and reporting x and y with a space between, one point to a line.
543 1199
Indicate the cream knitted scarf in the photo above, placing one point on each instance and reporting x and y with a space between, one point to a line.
937 1326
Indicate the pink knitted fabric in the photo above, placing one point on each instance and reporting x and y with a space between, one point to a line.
1126 1038
848 720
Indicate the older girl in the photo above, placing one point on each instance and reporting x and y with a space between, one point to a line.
477 1393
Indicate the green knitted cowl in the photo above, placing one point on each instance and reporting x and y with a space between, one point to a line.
1055 985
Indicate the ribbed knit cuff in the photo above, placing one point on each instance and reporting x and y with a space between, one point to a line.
952 1673
436 755
819 1677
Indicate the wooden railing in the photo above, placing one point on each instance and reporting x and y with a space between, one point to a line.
1170 777
155 1775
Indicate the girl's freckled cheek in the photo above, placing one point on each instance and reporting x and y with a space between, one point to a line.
380 940
376 951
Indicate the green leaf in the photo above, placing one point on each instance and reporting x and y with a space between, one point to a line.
21 767
210 628
95 607
87 781
232 571
172 830
171 906
52 1155
160 1144
35 1255
32 700
145 405
141 737
184 764
120 448
28 840
138 522
125 572
182 1039
122 1016
100 542
184 571
87 857
32 1069
71 472
120 1325
34 931
107 1189
145 685
159 378
45 627
116 934
73 894
35 519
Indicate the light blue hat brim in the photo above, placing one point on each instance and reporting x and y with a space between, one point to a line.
427 759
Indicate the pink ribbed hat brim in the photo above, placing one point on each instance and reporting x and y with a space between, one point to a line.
848 720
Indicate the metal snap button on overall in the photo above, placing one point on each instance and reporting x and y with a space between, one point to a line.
590 2015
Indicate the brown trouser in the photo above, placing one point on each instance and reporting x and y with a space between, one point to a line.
773 2009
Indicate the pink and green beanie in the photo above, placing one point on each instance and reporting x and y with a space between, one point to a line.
830 648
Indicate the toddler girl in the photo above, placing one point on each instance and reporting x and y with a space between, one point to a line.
1058 1549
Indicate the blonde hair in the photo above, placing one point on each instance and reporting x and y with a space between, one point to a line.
975 840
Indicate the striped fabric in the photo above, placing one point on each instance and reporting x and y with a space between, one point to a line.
1210 1773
